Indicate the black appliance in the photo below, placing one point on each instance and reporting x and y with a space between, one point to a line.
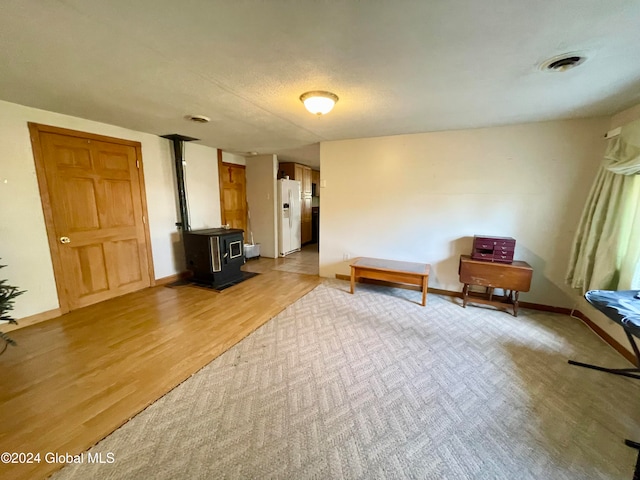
215 255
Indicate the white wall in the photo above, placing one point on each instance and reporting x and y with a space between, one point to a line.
233 158
422 197
201 185
626 116
23 240
261 174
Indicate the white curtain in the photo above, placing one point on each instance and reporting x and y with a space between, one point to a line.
606 248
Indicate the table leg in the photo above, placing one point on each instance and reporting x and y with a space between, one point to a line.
353 279
465 295
515 304
425 281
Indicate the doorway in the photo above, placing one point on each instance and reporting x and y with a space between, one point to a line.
94 204
233 195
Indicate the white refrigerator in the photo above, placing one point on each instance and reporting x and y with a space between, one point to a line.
289 219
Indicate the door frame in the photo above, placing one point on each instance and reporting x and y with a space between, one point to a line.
221 166
35 129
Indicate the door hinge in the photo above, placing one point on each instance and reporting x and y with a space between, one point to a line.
144 219
138 164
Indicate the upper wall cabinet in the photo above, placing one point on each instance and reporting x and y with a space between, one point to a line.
299 172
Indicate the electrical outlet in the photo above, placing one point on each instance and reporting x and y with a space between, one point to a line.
345 256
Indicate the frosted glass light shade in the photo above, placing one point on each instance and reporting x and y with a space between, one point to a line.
319 102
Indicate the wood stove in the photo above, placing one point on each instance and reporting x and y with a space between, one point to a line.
215 255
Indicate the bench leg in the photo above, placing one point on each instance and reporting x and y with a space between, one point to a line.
425 281
353 279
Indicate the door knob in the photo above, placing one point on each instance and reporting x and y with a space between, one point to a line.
65 240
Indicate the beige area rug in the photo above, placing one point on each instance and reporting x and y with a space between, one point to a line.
373 386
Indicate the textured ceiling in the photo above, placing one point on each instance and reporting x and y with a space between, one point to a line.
398 66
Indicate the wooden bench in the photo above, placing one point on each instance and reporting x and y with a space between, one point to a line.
391 271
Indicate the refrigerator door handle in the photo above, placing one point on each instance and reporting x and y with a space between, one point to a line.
290 207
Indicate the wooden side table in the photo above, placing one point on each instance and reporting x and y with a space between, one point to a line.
510 277
391 271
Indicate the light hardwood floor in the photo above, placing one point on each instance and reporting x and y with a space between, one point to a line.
304 261
74 379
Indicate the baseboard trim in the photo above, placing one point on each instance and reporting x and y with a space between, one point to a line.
172 278
448 293
545 308
617 346
31 320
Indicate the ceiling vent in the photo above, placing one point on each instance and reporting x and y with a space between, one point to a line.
562 63
198 118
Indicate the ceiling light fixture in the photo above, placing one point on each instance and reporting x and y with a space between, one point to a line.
319 102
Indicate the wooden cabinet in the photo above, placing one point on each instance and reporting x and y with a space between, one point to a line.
299 175
306 182
302 173
287 169
512 278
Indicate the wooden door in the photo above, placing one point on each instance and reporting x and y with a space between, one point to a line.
233 196
93 197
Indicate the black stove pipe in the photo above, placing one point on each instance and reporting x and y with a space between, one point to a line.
178 155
